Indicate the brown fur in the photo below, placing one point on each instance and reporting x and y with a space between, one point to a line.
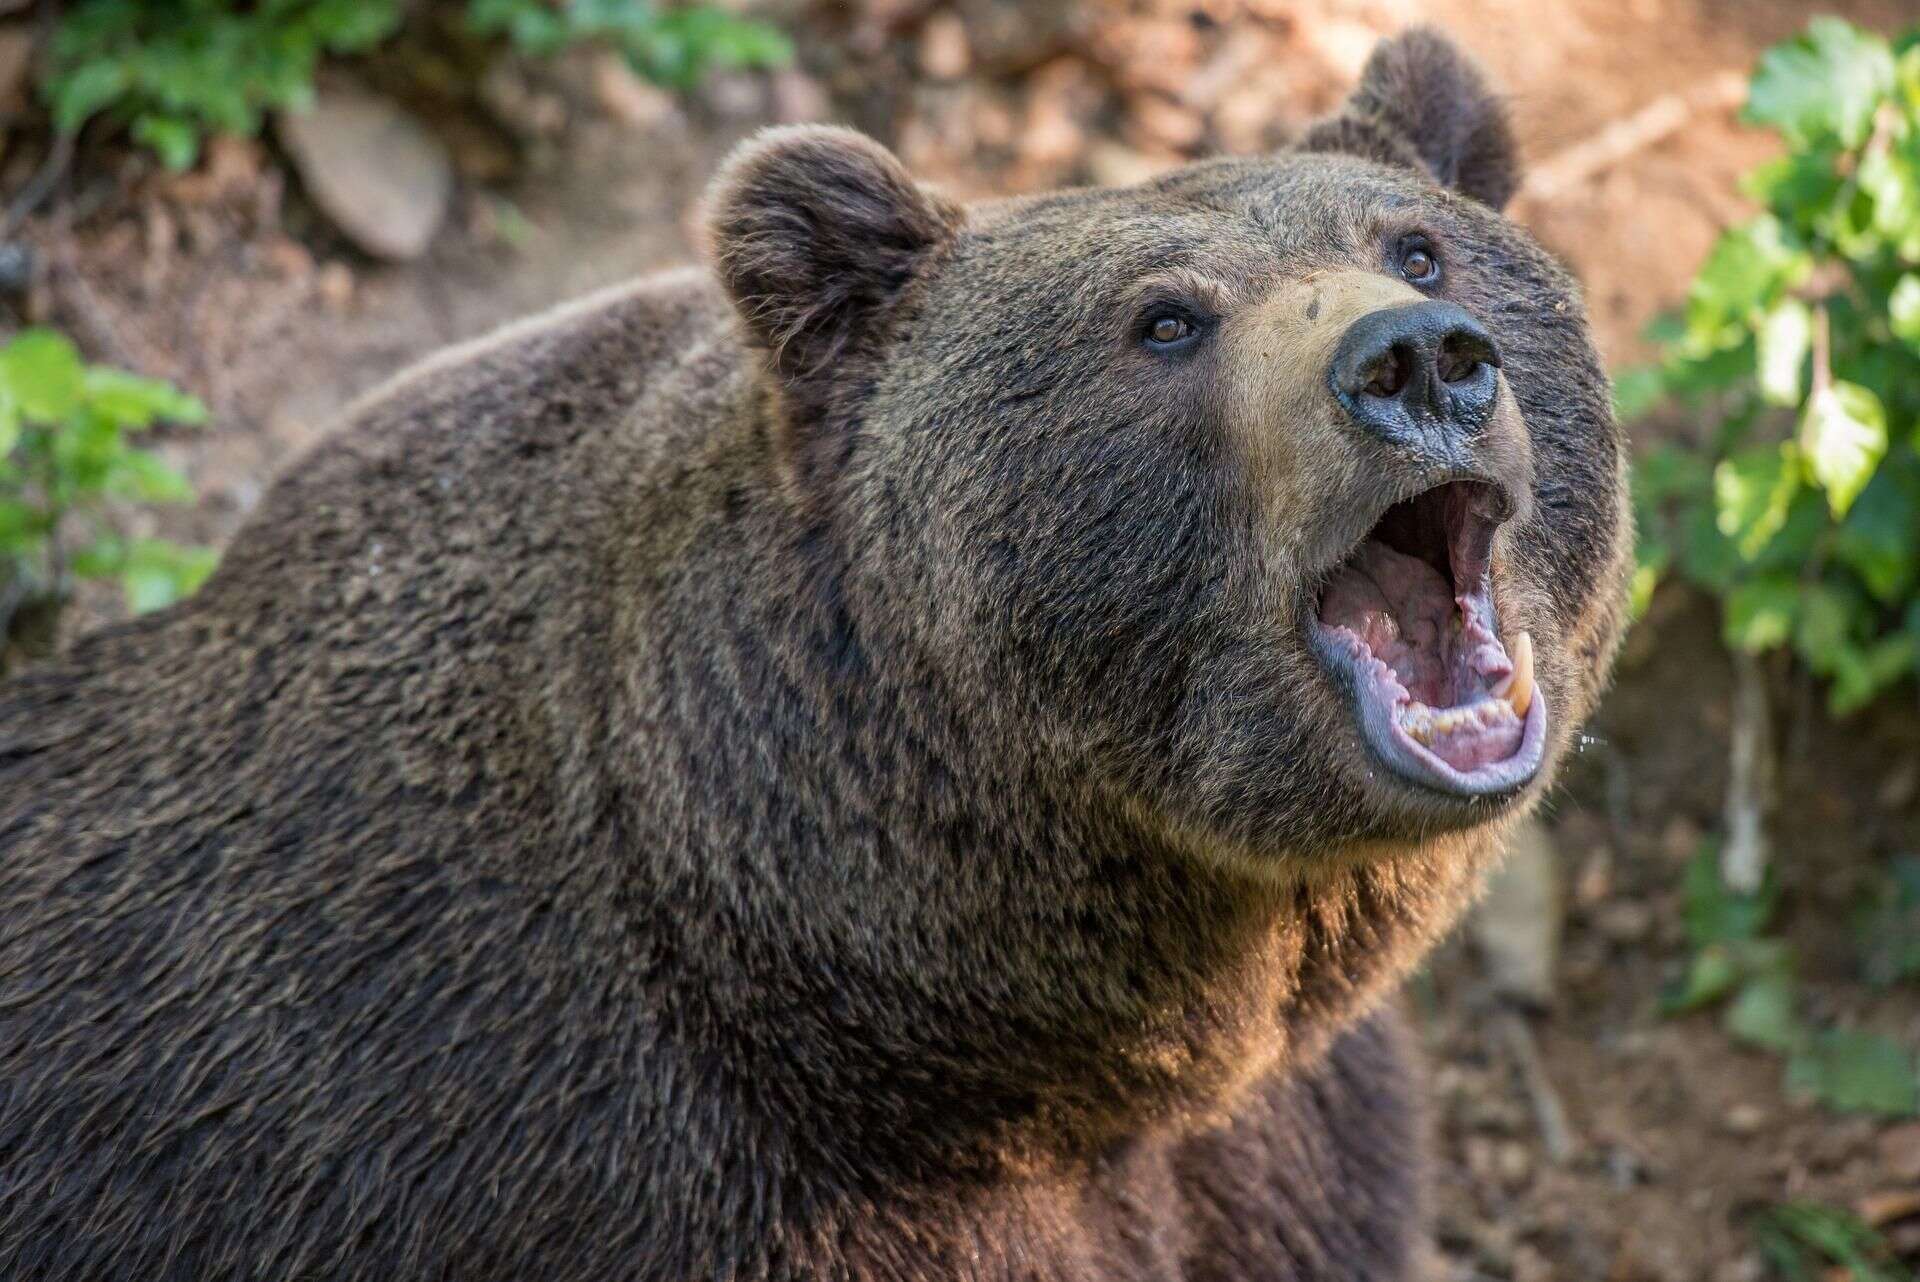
808 776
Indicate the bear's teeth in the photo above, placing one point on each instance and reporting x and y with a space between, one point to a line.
1517 686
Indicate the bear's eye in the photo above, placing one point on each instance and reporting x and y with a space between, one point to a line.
1418 264
1167 329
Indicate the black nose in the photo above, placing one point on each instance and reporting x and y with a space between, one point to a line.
1421 375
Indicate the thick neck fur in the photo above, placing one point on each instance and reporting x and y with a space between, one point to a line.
921 945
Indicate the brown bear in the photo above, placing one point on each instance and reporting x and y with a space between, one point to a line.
917 754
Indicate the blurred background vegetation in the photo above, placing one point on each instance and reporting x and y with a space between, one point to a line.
1679 1040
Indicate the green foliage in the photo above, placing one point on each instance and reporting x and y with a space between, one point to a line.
1800 341
64 453
1889 925
1802 1239
1750 977
670 46
175 71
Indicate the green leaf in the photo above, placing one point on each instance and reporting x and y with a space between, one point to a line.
1859 675
1752 493
1824 84
1749 267
1843 436
76 96
1782 343
1855 1072
139 475
1824 624
1762 1013
1789 1233
1903 309
176 141
1636 391
41 373
1880 538
100 559
1711 975
1760 613
157 573
1716 914
135 402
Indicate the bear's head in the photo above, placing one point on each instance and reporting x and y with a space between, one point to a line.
1275 503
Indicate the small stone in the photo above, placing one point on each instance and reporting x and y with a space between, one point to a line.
375 170
945 53
1529 1265
798 98
1164 123
737 95
1877 1210
1595 880
1899 1148
1515 1164
1624 921
625 96
1744 1119
1517 926
1111 164
1680 839
334 285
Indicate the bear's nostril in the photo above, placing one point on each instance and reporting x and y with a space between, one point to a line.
1389 373
1457 362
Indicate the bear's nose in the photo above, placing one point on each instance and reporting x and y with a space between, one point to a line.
1421 375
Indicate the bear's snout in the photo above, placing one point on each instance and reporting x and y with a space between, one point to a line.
1422 376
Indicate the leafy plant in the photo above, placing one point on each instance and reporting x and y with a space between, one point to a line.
1801 1239
177 70
669 46
1800 337
174 71
64 454
1750 977
1889 925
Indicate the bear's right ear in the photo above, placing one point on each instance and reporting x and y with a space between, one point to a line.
815 232
1423 104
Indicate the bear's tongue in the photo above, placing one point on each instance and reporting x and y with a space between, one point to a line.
1452 685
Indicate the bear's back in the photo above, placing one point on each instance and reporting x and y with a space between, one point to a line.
303 962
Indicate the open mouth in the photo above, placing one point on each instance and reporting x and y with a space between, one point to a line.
1409 620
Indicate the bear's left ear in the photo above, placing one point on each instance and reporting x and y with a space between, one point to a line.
1424 104
815 232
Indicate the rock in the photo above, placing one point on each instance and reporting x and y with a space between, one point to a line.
1595 881
1624 921
798 98
1162 123
1744 1119
945 53
1877 1210
735 95
1899 1148
625 96
372 168
1515 1164
1517 925
1680 839
1110 164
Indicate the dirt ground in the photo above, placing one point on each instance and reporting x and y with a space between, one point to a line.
227 281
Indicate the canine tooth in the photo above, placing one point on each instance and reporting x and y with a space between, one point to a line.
1518 685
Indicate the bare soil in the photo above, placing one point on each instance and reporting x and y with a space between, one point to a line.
227 281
